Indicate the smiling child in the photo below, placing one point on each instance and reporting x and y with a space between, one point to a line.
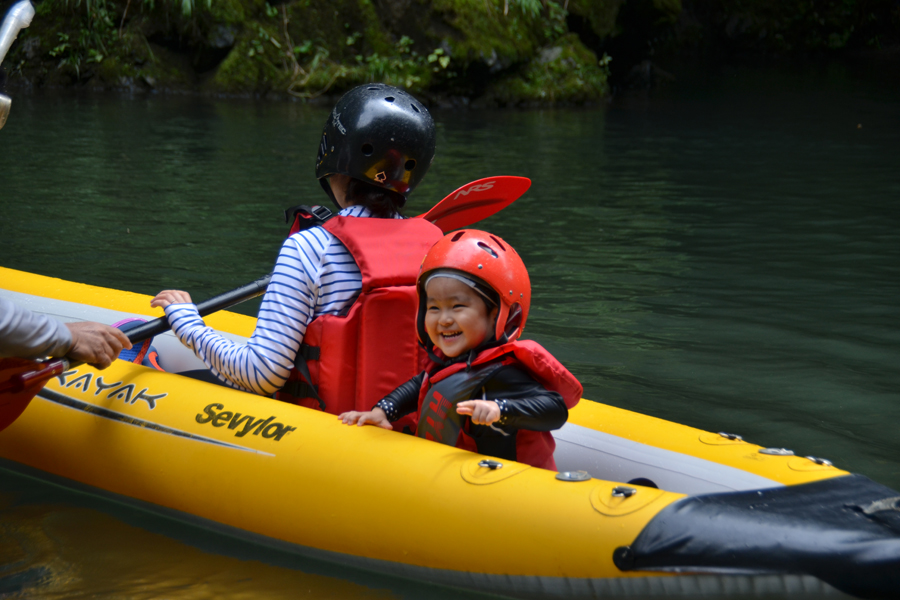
486 391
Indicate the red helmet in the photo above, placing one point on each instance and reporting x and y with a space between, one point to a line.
486 258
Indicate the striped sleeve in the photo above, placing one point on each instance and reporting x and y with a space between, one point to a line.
314 275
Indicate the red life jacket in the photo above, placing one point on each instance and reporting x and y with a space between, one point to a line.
356 359
439 420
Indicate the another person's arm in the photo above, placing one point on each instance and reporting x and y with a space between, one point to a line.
27 334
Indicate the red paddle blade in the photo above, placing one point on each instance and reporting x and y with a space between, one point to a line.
476 201
20 380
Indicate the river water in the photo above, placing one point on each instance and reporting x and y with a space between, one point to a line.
724 253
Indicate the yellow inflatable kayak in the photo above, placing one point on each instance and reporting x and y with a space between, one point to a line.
640 507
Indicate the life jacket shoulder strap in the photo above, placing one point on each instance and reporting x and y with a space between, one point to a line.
303 217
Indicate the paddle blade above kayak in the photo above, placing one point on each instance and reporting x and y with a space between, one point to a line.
476 201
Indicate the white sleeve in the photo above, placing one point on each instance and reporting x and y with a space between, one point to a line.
27 334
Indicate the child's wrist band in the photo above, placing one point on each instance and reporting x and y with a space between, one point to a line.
504 411
390 410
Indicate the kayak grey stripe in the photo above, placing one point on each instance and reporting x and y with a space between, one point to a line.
613 458
112 415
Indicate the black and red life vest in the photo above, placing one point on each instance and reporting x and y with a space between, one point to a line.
349 362
440 392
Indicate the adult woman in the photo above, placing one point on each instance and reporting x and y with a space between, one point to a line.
340 284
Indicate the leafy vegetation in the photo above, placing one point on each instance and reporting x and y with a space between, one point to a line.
504 51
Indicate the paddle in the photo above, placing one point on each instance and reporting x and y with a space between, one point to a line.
21 379
476 201
18 17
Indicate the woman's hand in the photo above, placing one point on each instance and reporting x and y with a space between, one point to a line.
481 412
96 344
375 416
167 297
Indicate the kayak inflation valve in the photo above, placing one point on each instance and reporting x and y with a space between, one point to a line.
622 491
573 476
777 451
493 465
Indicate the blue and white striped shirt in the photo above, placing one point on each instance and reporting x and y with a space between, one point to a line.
315 275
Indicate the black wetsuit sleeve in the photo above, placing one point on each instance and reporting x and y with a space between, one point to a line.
404 399
524 403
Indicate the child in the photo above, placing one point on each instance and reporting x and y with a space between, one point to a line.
486 392
343 284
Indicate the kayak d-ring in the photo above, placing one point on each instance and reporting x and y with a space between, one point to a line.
623 491
493 465
820 461
731 436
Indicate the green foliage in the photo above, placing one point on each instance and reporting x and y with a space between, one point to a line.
600 15
404 67
302 47
88 39
529 7
787 25
567 72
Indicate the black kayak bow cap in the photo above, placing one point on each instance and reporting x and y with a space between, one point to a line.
378 134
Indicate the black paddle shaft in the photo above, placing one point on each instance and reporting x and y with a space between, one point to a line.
214 304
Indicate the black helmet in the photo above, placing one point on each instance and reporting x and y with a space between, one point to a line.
378 134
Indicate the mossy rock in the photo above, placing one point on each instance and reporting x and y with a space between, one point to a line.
254 65
229 11
566 72
600 14
483 33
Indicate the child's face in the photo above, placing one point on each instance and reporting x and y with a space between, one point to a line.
456 317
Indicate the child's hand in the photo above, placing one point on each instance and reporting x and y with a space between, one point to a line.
375 416
167 297
482 412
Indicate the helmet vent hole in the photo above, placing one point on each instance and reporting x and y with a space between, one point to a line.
456 237
415 108
367 149
390 98
410 165
374 89
487 249
499 243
